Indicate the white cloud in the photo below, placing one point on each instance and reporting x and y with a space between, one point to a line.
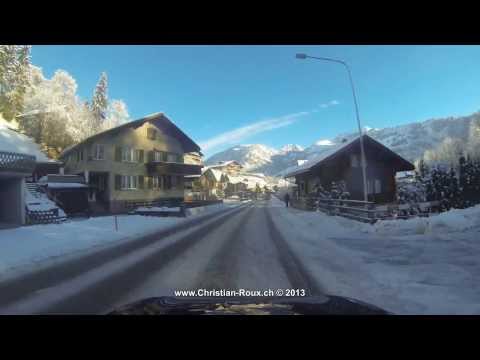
330 103
241 133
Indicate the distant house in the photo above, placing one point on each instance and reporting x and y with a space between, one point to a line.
140 161
244 182
231 167
235 185
343 162
213 182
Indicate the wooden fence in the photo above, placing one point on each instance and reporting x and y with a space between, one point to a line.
364 210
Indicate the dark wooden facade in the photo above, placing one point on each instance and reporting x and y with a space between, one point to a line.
345 164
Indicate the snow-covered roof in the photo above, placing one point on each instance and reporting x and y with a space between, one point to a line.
234 179
224 163
291 171
159 120
12 141
259 175
295 170
217 174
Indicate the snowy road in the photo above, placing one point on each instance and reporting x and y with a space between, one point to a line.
237 249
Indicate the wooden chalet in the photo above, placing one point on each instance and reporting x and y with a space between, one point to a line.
343 162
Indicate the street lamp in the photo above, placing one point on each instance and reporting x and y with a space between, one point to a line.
362 150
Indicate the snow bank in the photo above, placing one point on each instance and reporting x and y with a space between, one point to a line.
31 246
456 220
416 266
211 208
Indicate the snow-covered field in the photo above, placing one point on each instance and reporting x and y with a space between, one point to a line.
417 266
30 248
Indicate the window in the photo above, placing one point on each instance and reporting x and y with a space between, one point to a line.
160 155
156 182
128 154
354 160
99 152
139 156
129 182
80 155
378 186
151 134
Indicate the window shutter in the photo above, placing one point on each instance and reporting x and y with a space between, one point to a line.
118 182
118 153
140 156
149 183
141 182
150 155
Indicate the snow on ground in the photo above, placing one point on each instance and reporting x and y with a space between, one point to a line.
415 266
40 202
30 248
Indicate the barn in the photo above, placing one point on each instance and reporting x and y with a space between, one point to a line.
342 162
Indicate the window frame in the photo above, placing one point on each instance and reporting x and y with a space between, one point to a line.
96 152
151 131
156 182
377 186
354 161
131 152
129 182
137 155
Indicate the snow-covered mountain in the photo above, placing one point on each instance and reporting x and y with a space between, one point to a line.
252 157
291 147
410 141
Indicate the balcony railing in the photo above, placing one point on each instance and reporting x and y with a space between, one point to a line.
16 163
170 168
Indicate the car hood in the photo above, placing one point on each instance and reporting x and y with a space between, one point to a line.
312 305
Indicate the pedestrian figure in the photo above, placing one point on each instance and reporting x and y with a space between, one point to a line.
287 199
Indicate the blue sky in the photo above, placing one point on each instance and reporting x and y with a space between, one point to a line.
226 95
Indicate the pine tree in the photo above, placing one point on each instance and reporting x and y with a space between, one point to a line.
100 102
462 181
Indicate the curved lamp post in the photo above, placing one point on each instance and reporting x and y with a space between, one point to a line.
362 150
